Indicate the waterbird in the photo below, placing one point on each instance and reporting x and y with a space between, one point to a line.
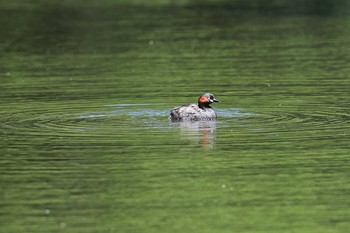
195 112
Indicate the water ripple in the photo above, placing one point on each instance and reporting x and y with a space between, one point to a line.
111 117
314 119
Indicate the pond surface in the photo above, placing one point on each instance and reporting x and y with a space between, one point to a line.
87 146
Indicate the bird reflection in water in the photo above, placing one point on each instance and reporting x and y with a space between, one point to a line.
198 132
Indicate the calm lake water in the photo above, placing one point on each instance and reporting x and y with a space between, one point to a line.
86 89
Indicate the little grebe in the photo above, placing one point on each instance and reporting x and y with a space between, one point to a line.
195 112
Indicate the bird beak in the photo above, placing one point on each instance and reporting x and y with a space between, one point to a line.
215 100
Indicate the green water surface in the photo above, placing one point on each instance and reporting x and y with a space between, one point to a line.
86 144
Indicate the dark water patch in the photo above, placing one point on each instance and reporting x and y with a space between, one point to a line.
59 27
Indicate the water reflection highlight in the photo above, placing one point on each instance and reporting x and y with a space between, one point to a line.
198 132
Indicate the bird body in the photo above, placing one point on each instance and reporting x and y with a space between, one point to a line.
196 112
